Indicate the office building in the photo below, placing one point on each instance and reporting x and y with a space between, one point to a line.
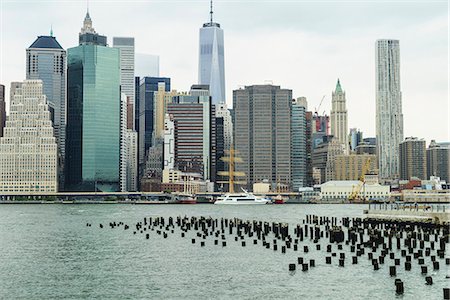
2 109
309 149
126 52
211 66
161 99
93 117
46 60
389 116
438 160
355 138
338 117
350 167
324 155
298 137
28 148
223 112
262 134
413 161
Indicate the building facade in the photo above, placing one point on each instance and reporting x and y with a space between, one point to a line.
413 160
126 52
93 119
28 148
211 66
223 112
350 167
355 138
298 137
324 155
338 117
389 116
438 161
262 132
2 109
46 60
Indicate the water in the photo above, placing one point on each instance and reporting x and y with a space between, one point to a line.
47 252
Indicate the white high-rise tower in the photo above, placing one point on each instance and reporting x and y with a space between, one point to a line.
211 68
389 117
338 116
28 149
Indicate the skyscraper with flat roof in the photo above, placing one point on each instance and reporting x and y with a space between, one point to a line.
2 109
46 60
262 134
298 138
438 160
93 118
389 116
211 67
413 162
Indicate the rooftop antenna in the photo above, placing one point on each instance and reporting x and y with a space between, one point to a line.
211 12
51 30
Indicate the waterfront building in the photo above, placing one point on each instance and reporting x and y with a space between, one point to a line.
355 138
350 167
324 155
46 60
211 66
28 148
338 117
438 160
262 133
147 88
298 137
413 162
389 116
194 133
338 190
2 109
93 116
126 52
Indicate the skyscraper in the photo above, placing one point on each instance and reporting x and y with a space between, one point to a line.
2 109
413 162
223 112
438 161
389 117
28 149
93 116
262 134
46 60
126 51
338 116
298 137
211 68
355 138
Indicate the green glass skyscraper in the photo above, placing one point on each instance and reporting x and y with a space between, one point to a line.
93 116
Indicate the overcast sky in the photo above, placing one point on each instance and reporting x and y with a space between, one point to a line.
301 45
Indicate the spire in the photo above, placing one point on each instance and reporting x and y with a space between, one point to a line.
338 87
51 30
211 12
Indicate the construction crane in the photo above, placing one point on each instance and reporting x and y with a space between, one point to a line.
231 173
355 195
320 104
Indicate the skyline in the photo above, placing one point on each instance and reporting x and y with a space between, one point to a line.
317 52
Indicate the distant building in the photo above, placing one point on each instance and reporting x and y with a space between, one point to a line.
341 190
161 99
132 160
93 116
88 36
148 87
365 148
298 138
2 109
389 116
355 138
262 132
211 66
413 161
46 60
338 117
324 155
438 161
28 148
350 167
126 52
309 149
222 111
320 128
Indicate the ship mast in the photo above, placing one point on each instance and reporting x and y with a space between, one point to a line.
231 159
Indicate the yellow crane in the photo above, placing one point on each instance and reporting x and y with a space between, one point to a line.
231 159
355 195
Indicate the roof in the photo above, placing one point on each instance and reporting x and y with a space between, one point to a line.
338 87
46 42
341 183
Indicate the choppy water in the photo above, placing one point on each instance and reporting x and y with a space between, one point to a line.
47 252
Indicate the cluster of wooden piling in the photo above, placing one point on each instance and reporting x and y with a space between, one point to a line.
397 244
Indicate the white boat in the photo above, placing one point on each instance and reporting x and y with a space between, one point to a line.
241 198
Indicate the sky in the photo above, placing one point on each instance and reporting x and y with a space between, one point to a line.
301 45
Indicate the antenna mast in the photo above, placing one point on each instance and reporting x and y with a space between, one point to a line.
211 12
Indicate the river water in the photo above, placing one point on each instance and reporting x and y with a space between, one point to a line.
48 252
